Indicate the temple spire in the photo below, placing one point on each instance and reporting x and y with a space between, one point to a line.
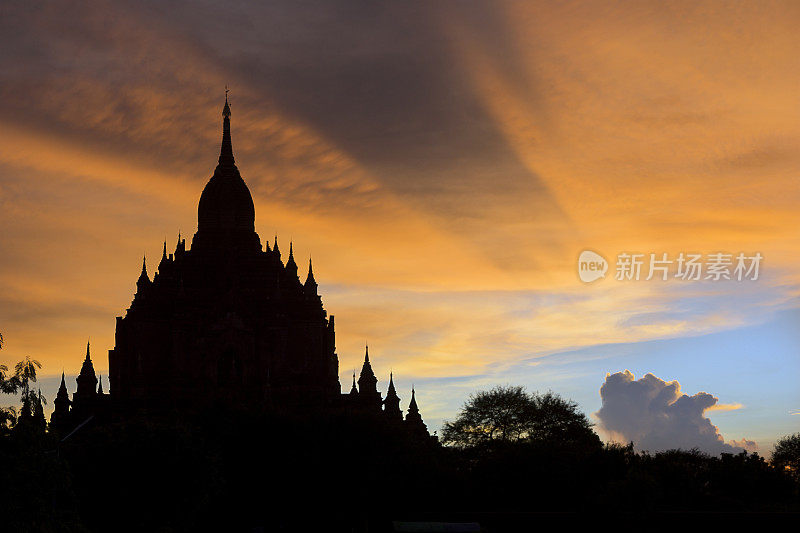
180 247
87 379
310 284
164 253
226 214
38 411
367 385
226 150
353 389
291 266
62 396
59 418
391 405
144 279
413 419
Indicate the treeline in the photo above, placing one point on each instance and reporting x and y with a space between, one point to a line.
511 460
507 438
35 486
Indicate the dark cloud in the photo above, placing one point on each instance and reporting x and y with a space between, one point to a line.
656 416
380 84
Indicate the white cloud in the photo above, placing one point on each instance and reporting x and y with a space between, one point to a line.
656 416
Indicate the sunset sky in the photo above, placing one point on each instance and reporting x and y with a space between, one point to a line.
444 163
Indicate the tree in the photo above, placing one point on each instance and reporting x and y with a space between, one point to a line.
7 385
510 414
8 417
786 454
24 375
31 414
556 419
502 414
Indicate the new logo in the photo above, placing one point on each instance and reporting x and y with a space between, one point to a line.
591 266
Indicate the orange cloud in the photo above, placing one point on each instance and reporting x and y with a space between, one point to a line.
599 125
725 407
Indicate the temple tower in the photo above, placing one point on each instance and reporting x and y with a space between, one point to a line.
413 419
368 395
60 417
87 382
224 323
391 405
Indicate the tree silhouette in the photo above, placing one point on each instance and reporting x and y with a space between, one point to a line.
8 417
25 374
32 402
786 454
508 414
556 419
7 385
503 414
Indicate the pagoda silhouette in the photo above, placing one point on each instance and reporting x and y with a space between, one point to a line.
225 324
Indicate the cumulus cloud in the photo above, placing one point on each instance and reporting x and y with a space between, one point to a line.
655 415
745 444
